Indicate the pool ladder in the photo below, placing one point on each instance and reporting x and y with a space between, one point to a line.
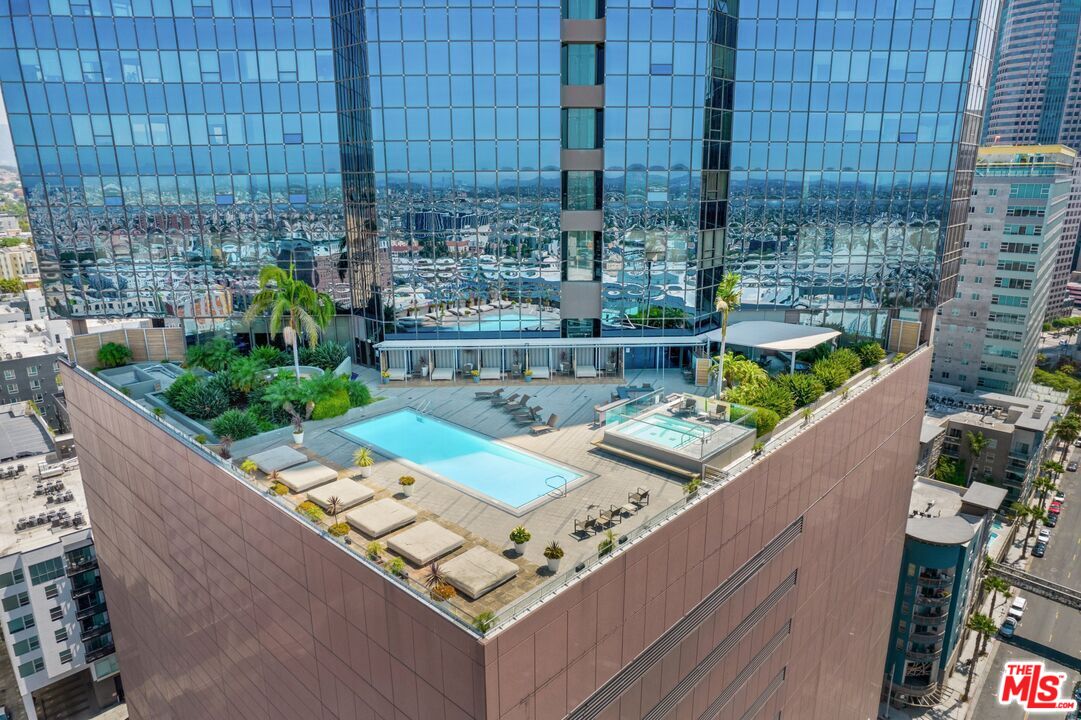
559 487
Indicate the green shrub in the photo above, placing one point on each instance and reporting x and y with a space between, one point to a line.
323 386
359 394
832 374
804 387
339 529
776 397
333 406
237 424
848 359
310 510
818 352
202 402
871 353
1055 380
327 355
737 412
214 355
223 383
269 356
112 355
181 385
246 374
764 421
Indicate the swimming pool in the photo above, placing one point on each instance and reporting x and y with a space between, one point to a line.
665 430
489 470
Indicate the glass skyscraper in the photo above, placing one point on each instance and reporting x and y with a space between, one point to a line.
467 171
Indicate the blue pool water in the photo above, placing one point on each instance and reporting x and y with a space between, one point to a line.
664 430
511 477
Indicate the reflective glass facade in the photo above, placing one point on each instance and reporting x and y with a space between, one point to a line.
491 168
170 149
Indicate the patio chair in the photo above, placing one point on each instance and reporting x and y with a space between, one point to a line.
500 400
610 517
639 497
546 427
488 394
520 405
584 526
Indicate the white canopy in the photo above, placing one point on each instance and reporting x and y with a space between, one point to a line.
772 335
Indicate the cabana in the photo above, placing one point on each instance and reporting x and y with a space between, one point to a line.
776 336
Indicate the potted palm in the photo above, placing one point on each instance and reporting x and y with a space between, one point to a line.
554 553
298 430
407 482
364 460
520 536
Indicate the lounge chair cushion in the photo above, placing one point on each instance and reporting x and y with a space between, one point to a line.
380 517
349 493
586 371
396 373
490 374
443 374
478 571
541 373
306 476
277 459
425 542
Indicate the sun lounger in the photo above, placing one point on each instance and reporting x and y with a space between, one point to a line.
520 405
478 571
442 374
277 459
546 427
585 371
541 372
505 400
306 476
484 308
396 373
380 517
350 493
488 395
424 543
528 415
490 373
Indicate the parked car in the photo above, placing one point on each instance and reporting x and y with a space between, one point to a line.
1054 509
1077 442
1077 691
1051 521
1044 536
1072 466
1009 625
1060 497
1017 608
1039 550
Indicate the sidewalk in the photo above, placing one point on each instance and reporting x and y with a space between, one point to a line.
951 708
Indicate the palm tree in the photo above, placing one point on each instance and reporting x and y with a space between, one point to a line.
1035 513
945 469
1046 485
725 301
996 585
295 308
1052 468
977 443
739 370
334 506
1067 429
985 627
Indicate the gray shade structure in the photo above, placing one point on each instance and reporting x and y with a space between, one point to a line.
21 436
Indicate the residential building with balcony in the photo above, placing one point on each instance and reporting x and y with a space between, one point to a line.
947 531
987 336
55 621
1016 429
766 590
29 367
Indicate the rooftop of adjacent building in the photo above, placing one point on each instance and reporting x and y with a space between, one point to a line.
25 339
611 476
943 514
33 491
994 411
1023 153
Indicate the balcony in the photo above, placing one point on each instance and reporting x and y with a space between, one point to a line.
88 632
940 581
932 601
929 618
924 655
90 610
81 563
100 652
86 589
915 690
927 637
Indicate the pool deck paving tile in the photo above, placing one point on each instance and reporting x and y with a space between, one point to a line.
477 521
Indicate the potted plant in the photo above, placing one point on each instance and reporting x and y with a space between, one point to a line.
407 482
844 394
248 467
442 592
520 536
528 374
298 431
758 448
224 444
201 439
298 419
374 551
608 544
385 375
692 485
484 622
438 587
807 414
396 567
875 373
554 553
476 375
159 413
364 460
